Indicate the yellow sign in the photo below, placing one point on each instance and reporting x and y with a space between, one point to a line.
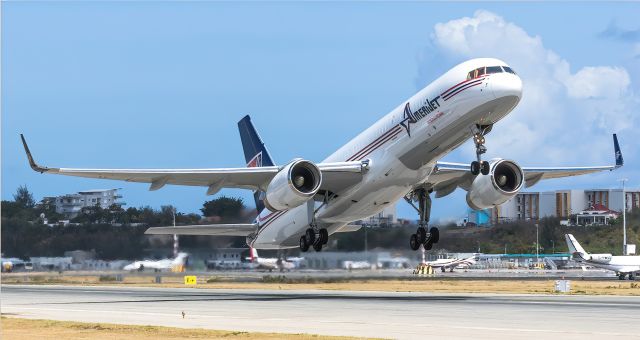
190 280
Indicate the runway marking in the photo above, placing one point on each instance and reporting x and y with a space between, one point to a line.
408 324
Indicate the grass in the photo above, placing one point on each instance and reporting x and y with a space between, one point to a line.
17 328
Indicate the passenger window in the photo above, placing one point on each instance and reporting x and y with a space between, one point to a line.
494 69
508 69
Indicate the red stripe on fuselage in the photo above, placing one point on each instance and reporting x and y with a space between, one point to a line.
357 154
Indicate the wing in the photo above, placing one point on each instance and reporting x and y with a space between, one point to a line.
446 176
336 176
205 230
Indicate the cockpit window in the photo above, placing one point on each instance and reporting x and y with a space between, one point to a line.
493 69
508 69
476 73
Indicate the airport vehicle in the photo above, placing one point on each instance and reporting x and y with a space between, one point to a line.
302 202
450 264
176 264
281 264
627 265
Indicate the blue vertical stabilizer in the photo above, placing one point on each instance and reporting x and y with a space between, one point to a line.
255 153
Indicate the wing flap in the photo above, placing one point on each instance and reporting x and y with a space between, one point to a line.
205 230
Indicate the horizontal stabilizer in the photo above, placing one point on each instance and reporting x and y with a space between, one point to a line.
205 230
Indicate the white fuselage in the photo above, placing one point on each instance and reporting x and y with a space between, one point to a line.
618 264
402 147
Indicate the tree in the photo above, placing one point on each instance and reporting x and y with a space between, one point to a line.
227 208
24 198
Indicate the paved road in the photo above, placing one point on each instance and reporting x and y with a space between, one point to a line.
371 314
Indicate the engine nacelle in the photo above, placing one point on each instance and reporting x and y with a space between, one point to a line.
293 185
504 180
602 258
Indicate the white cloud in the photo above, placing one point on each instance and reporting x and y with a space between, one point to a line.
564 118
598 82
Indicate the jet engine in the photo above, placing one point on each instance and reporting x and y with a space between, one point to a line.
293 185
602 258
504 180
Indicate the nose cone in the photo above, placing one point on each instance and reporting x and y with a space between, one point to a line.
506 85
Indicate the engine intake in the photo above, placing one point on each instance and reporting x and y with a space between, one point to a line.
504 180
293 185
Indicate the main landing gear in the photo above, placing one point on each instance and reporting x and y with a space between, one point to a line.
479 166
314 239
422 236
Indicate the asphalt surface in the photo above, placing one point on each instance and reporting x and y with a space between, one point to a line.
369 314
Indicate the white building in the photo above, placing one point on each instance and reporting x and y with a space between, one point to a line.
70 205
386 218
562 203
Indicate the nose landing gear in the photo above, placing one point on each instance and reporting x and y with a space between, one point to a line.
479 166
422 236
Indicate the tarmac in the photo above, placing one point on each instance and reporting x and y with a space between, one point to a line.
363 314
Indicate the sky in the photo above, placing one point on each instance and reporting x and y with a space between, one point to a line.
143 84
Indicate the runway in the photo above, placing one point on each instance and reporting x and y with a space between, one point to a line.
366 314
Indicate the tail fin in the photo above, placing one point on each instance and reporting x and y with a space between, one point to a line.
618 153
255 152
253 254
181 259
575 248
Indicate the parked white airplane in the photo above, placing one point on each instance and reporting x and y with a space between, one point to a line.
270 264
622 265
397 157
450 264
175 264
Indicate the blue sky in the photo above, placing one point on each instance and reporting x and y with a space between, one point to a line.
163 84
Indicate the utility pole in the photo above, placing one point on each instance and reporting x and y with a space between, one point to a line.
624 218
537 244
553 245
175 237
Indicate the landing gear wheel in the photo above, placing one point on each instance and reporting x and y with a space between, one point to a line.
631 277
317 246
435 234
310 234
475 168
413 242
422 235
324 236
443 269
621 276
428 245
485 167
304 245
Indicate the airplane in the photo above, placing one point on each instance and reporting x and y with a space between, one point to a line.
175 264
301 203
450 264
622 265
270 264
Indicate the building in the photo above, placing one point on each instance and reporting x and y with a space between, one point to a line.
596 215
563 204
71 205
386 218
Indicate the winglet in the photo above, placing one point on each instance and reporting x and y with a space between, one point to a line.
618 153
32 163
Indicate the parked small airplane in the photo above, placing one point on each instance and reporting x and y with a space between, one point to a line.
398 157
270 264
176 264
622 265
450 264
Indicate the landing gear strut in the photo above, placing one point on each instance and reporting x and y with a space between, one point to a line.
422 236
479 166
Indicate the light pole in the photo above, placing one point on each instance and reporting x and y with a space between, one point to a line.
553 245
537 244
624 218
